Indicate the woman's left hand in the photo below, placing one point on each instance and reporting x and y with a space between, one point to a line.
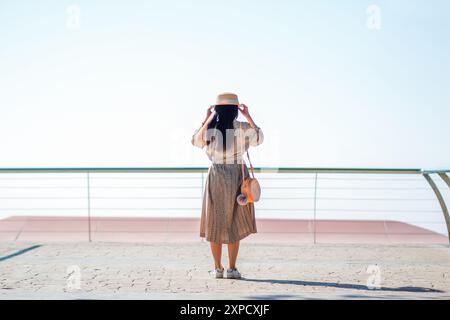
212 113
209 111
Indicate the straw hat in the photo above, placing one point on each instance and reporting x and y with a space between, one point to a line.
227 99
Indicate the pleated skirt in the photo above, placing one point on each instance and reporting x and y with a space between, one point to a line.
223 220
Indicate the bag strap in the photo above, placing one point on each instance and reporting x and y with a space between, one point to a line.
242 149
248 156
251 166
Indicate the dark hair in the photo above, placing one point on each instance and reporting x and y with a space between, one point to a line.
223 120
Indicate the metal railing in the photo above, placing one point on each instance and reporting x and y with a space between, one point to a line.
415 196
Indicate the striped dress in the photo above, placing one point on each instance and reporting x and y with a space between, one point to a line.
223 220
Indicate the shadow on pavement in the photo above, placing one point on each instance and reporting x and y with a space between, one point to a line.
343 285
20 252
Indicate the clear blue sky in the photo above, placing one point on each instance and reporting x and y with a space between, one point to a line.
129 86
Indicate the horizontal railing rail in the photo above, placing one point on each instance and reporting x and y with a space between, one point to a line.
309 193
205 169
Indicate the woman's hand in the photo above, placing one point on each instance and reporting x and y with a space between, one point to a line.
244 110
209 111
210 116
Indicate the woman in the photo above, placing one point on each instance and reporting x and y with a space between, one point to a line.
223 220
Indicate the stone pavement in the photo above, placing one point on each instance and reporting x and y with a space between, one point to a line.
180 271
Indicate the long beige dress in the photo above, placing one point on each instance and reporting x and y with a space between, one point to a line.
223 220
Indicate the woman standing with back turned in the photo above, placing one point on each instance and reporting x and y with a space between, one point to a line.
226 140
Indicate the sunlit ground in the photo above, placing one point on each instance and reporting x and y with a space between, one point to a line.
274 271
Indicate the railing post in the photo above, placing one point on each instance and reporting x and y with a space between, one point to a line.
315 206
445 178
441 201
201 196
89 205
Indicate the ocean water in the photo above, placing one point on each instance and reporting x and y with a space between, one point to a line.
395 197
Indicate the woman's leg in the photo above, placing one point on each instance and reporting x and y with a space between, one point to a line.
216 249
233 249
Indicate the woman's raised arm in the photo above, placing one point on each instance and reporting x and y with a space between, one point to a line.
252 131
199 136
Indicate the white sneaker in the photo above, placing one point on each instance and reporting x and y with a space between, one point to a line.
217 273
233 274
